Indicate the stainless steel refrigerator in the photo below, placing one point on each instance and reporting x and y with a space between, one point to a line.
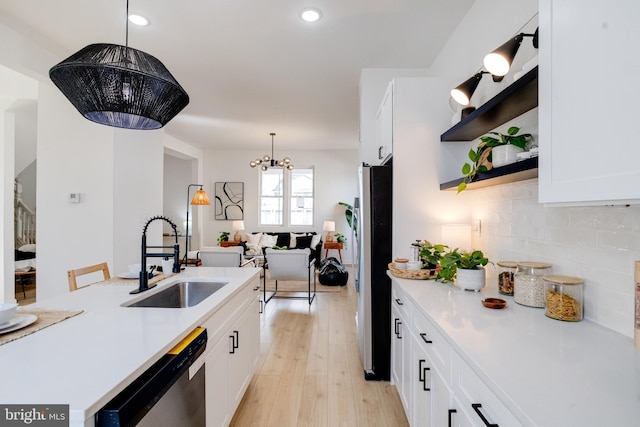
373 210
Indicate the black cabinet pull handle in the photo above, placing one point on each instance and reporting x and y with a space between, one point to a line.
420 371
261 307
424 338
233 344
424 383
237 345
396 326
398 301
476 407
451 412
257 288
399 330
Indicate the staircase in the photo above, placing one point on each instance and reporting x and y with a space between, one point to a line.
24 219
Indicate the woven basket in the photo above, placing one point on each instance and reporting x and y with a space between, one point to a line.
414 274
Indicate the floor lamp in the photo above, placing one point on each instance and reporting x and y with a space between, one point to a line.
200 198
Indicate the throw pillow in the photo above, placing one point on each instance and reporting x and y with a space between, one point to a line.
268 241
253 249
293 237
315 239
303 242
254 238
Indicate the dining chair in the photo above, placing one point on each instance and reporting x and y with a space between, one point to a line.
73 274
289 265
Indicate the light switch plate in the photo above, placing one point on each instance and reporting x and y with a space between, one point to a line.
74 198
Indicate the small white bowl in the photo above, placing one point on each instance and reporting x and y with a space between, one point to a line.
400 265
414 265
7 311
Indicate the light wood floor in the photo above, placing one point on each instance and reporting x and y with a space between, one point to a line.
310 373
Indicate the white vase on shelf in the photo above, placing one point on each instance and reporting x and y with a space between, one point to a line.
503 155
470 280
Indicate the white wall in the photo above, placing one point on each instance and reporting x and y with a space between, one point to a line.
177 173
137 193
74 155
336 175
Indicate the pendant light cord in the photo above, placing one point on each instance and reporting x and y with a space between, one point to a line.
126 42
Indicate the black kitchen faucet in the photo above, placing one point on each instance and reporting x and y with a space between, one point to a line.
144 275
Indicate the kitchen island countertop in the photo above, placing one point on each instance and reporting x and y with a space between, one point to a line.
84 361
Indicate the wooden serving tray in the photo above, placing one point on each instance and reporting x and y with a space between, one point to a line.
423 274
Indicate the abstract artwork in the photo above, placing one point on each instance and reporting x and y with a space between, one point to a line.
229 202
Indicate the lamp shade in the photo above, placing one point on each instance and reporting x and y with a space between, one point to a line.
463 92
329 226
200 198
237 225
119 86
499 61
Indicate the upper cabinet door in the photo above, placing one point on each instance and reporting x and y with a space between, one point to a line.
384 125
589 102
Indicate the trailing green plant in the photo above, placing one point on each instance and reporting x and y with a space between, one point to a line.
453 260
340 237
350 216
224 236
481 156
431 254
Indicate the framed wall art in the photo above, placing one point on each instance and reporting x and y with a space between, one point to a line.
229 203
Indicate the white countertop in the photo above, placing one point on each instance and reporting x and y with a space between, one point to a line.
548 372
86 360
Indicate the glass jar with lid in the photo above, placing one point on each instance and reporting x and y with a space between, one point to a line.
528 283
506 271
564 298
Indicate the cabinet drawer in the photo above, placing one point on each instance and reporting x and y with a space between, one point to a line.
401 302
477 400
221 319
433 342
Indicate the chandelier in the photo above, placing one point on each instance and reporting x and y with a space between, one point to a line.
120 86
270 162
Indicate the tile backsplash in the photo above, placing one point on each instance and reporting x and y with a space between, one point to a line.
597 244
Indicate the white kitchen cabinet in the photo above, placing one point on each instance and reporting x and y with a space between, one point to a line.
217 412
400 348
384 124
588 99
436 386
230 362
477 400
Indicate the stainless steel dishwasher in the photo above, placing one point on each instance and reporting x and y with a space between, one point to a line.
167 394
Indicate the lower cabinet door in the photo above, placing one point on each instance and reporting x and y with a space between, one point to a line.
217 412
240 356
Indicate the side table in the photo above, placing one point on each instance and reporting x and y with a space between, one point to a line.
333 245
229 243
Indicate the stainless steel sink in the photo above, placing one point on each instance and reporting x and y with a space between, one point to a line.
180 295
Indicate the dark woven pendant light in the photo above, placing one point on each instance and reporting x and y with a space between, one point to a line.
120 86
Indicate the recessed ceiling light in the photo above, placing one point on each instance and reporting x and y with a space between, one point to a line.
138 20
310 15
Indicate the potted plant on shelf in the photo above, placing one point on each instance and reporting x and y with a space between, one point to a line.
506 147
340 237
467 268
493 152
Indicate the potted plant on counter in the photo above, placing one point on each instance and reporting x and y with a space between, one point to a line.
467 268
431 254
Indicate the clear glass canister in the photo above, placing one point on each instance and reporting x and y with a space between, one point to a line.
506 271
528 283
564 298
